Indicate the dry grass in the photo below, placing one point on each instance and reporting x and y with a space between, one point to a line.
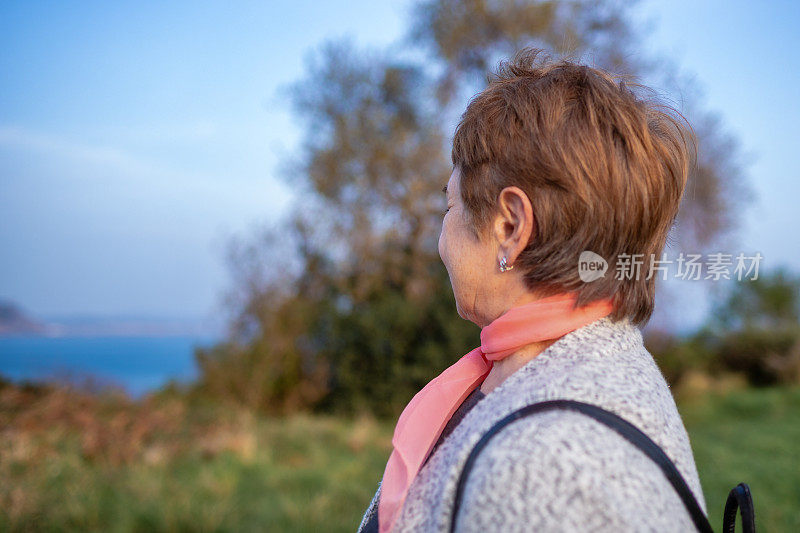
112 429
72 460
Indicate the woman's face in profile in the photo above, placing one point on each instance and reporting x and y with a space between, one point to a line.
468 261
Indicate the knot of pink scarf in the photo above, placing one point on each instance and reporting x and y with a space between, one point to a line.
426 415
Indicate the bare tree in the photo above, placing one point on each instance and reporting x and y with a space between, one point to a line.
369 318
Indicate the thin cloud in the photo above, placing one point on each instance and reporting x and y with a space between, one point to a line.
95 155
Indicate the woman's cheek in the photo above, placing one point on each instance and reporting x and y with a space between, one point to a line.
443 243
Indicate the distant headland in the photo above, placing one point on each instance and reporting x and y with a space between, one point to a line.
15 321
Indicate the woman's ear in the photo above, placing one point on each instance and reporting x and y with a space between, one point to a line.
514 223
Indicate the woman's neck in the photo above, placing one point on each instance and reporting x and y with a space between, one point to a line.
504 368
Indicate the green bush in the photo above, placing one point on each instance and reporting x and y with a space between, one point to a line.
765 357
676 356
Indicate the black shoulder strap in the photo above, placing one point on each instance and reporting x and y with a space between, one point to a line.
618 424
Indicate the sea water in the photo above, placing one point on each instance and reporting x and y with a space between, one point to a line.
138 364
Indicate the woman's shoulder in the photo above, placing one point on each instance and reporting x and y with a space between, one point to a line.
561 470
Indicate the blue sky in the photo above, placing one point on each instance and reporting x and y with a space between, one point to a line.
136 139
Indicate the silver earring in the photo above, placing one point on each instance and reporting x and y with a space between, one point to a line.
504 265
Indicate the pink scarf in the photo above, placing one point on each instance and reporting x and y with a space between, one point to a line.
426 415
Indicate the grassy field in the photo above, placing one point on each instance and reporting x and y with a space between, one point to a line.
242 473
753 437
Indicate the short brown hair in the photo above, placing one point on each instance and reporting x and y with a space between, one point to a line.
604 170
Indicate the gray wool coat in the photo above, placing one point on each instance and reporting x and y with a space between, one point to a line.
561 470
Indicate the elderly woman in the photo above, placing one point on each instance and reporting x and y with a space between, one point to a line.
553 163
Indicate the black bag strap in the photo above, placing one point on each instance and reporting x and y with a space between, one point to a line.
635 437
739 498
